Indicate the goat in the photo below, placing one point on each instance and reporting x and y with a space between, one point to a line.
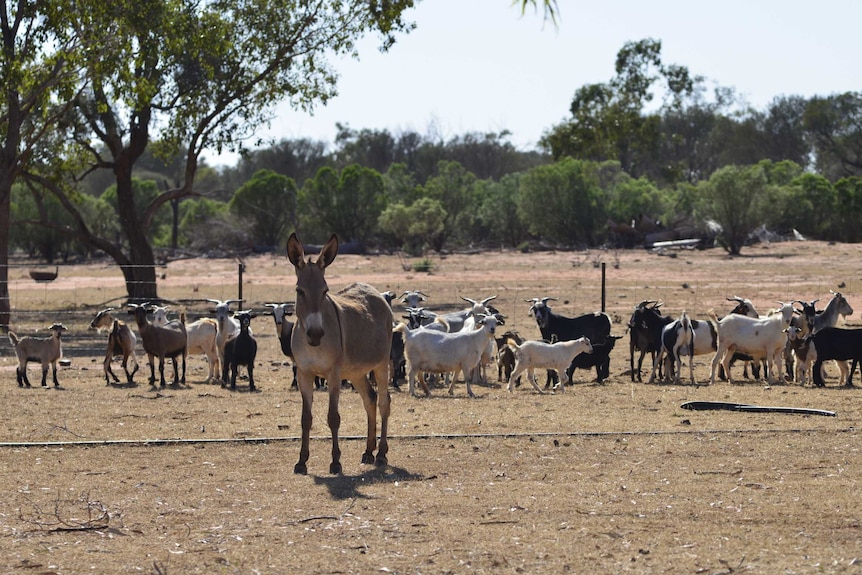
803 350
811 321
437 352
645 329
744 306
840 344
121 341
762 338
413 298
600 358
228 327
240 350
539 354
457 319
343 335
684 339
202 338
505 356
45 350
163 341
705 341
594 326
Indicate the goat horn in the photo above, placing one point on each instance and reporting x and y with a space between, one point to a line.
472 301
487 299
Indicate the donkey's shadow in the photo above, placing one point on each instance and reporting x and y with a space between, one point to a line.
348 486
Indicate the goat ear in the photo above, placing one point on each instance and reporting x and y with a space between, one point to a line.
295 251
328 252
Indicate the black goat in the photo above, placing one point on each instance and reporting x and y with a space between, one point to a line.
645 328
594 326
240 350
600 359
839 344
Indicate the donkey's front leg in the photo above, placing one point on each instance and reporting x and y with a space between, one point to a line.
334 420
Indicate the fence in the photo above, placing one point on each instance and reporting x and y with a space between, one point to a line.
72 294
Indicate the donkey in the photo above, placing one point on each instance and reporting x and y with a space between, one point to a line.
343 335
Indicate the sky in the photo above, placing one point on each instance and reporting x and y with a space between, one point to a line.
481 66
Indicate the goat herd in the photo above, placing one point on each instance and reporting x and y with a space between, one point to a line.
349 336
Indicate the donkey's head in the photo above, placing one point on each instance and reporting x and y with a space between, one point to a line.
311 287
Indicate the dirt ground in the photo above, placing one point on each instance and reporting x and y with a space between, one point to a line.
603 478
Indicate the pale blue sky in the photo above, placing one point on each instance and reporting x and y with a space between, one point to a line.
479 66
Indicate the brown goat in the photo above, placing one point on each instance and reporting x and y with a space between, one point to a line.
163 341
121 341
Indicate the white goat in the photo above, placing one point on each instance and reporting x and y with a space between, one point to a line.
202 338
532 355
761 338
413 298
45 350
434 351
228 327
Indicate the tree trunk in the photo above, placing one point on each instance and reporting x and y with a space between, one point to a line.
140 273
5 215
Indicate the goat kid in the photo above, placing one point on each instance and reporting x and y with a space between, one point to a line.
241 350
558 356
44 350
121 342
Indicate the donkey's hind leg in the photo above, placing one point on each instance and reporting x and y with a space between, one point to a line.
384 405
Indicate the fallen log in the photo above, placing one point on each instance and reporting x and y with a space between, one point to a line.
729 406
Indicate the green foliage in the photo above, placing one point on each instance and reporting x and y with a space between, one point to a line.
456 189
416 227
29 208
498 212
737 198
347 204
268 203
564 202
144 193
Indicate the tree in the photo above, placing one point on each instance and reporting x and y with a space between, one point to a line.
563 202
499 210
347 204
37 79
834 124
609 120
736 198
194 76
455 188
417 227
267 203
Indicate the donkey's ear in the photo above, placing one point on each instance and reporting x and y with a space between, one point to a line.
295 252
328 252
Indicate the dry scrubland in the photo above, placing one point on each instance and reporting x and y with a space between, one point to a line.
604 478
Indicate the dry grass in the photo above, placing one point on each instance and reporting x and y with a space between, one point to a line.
602 478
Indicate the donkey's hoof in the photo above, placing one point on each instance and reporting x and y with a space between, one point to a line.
367 458
300 469
381 461
335 468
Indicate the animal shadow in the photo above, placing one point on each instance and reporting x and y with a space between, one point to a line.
348 486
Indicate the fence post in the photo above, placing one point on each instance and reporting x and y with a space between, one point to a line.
240 267
604 266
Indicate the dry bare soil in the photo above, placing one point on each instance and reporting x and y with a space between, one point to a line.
604 478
